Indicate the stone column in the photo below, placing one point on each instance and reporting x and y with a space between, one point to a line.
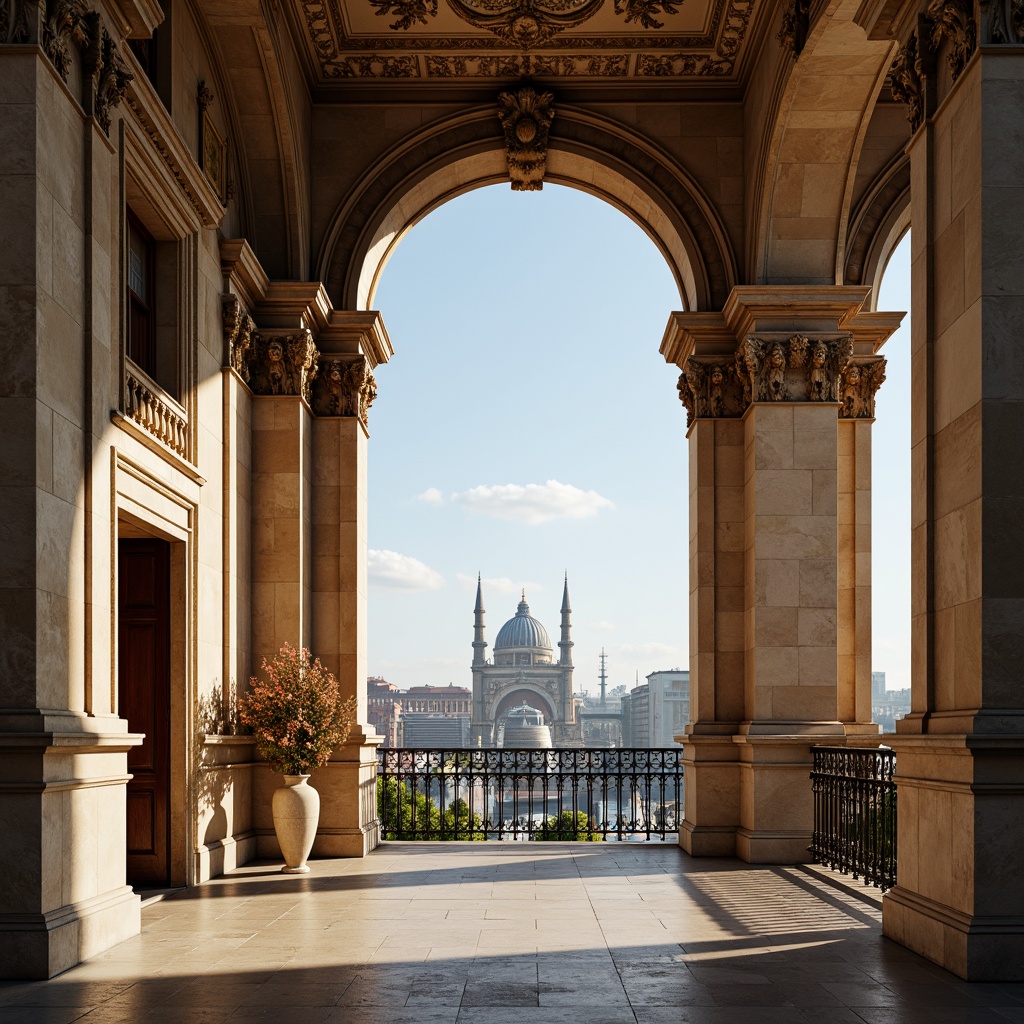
960 753
762 382
352 346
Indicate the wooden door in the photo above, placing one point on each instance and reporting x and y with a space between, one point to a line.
144 699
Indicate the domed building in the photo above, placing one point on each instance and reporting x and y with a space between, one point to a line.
523 671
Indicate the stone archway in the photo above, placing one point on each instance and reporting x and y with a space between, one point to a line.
587 152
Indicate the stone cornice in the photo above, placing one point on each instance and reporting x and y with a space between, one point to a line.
299 305
351 332
242 271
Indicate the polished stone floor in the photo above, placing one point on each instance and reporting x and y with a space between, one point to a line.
513 933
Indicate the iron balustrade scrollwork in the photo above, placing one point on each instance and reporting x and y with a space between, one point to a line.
855 812
529 795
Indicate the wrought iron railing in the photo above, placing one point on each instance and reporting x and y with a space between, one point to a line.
855 812
542 795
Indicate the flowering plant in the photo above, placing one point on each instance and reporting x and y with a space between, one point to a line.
297 714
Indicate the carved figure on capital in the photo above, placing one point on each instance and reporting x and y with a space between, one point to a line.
860 382
345 387
763 368
714 389
1002 21
110 75
953 22
905 79
16 23
238 330
63 20
282 364
824 368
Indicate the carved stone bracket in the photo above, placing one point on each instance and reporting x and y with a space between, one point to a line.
796 23
282 363
345 386
526 117
797 370
860 382
953 23
238 331
63 22
1002 21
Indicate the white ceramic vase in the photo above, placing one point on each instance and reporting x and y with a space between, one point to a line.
296 809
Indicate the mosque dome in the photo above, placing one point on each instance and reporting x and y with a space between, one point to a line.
522 631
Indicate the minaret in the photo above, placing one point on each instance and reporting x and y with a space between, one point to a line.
565 644
479 644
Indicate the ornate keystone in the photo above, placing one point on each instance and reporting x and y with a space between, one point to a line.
526 117
282 364
345 386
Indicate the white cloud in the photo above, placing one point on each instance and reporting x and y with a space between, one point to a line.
401 572
431 496
603 625
496 584
532 503
649 650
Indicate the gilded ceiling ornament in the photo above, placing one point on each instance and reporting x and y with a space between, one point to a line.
644 11
409 11
282 364
526 117
954 23
860 382
525 23
344 387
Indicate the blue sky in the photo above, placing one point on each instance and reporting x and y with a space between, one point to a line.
525 427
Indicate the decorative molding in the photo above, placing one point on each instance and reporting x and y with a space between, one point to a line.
796 23
645 10
409 11
238 331
282 363
526 117
678 65
63 20
345 386
213 149
525 23
204 96
1002 21
374 66
860 382
526 65
953 23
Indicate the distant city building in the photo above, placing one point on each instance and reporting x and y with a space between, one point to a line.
435 730
384 710
448 700
890 707
523 671
524 726
877 686
668 706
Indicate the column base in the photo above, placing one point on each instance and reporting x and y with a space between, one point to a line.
974 948
40 946
710 795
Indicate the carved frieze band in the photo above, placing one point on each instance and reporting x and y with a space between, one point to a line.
526 117
771 369
345 386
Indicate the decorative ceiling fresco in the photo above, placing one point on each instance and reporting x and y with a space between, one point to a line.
447 40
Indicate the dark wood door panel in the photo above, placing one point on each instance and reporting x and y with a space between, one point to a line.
144 699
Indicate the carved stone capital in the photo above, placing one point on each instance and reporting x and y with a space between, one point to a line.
345 387
796 23
906 82
238 330
860 382
111 79
1002 21
799 369
711 388
953 23
282 363
63 22
18 20
526 117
